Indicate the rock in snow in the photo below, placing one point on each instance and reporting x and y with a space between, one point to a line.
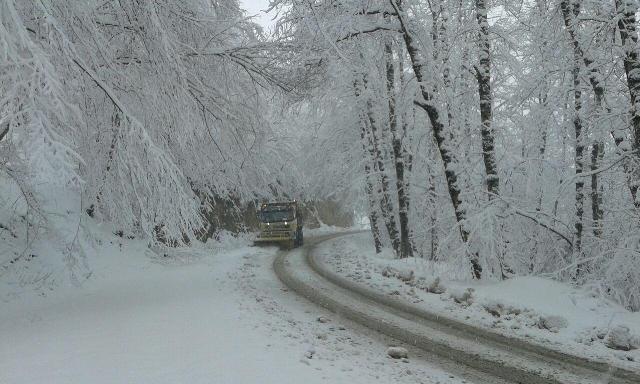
497 309
310 352
435 286
552 323
406 276
397 352
389 272
620 338
464 297
494 308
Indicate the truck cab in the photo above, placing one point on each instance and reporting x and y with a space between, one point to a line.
281 223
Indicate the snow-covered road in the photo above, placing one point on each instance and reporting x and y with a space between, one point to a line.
484 351
209 318
222 316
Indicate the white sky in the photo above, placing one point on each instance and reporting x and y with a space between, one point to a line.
255 7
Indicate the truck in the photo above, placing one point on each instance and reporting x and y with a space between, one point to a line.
280 223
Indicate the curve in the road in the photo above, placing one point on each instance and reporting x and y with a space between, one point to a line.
497 355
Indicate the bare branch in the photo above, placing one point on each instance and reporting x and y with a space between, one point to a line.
367 31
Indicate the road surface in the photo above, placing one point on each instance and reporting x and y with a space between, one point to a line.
481 355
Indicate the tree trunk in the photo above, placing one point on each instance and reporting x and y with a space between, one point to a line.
542 149
569 13
440 19
597 154
399 161
597 84
386 205
373 211
433 214
627 29
629 38
483 74
4 132
369 176
407 156
543 101
579 164
418 60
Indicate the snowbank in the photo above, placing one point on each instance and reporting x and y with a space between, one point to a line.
567 318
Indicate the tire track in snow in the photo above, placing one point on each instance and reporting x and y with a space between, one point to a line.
466 346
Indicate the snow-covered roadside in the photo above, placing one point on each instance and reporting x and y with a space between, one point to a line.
209 314
557 315
324 229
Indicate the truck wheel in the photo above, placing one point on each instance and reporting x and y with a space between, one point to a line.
301 238
296 238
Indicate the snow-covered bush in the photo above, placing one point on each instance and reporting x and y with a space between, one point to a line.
622 273
621 338
552 323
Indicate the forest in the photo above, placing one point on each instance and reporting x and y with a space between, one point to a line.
491 138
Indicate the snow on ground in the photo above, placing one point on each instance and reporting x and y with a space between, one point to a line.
42 242
560 316
213 313
324 229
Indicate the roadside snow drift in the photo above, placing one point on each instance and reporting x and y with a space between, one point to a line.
572 320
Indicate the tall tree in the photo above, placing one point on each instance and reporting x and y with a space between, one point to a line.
399 153
435 115
483 74
370 176
626 17
384 193
570 11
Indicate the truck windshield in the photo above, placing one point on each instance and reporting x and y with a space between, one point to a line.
273 216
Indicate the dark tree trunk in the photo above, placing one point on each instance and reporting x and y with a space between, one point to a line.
483 75
627 29
373 209
569 13
597 154
399 160
116 128
373 148
440 20
486 111
369 177
629 38
386 205
434 114
406 154
542 149
4 131
579 164
433 215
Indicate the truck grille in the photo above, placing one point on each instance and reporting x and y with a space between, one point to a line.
276 231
